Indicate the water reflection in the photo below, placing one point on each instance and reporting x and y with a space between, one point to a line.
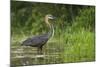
29 55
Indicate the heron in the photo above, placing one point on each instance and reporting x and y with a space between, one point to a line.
40 40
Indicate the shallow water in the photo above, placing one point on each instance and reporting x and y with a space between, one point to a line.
23 55
53 53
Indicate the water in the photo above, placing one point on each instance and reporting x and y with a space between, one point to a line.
54 52
23 55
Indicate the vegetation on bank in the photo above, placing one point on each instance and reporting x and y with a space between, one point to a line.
74 36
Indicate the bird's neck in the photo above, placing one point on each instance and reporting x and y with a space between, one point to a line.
51 32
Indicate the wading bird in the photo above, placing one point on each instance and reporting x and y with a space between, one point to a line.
40 40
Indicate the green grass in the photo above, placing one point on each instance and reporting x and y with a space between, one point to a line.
74 39
68 47
80 47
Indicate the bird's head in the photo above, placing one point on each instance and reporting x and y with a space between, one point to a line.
49 16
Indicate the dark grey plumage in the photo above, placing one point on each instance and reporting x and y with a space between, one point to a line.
40 40
37 41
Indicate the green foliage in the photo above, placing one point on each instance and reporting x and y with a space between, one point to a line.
80 47
85 20
74 38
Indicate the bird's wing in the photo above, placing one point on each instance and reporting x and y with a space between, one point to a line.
36 41
40 39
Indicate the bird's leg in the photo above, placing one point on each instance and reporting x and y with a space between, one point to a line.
40 50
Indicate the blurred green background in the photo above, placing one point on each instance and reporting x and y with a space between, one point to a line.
74 38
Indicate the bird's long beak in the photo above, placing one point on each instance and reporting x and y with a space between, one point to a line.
53 17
